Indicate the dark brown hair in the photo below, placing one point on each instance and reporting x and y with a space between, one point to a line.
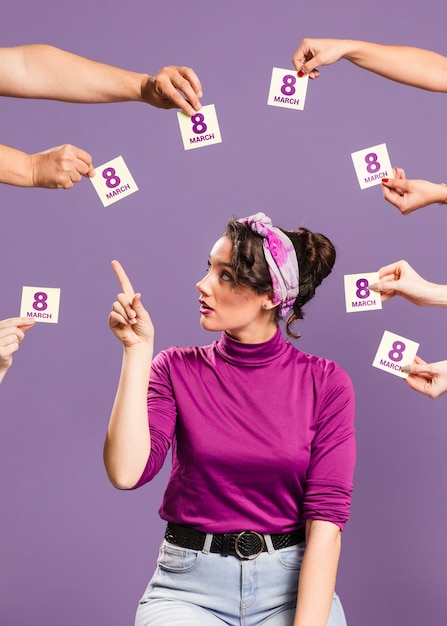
314 251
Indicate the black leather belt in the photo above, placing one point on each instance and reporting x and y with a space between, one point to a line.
247 544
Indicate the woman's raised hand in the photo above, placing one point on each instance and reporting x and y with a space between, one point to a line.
128 319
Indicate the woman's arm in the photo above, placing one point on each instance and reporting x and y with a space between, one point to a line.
412 66
327 494
42 71
127 446
318 573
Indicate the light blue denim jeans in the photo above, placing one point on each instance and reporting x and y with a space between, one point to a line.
191 588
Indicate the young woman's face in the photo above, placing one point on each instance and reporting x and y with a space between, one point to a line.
239 310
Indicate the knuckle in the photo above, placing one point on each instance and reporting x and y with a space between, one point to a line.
60 179
163 73
66 161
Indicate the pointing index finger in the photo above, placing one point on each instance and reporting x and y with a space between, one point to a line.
123 280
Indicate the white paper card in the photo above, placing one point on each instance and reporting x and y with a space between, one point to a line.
371 165
393 352
358 296
201 129
287 90
41 304
113 181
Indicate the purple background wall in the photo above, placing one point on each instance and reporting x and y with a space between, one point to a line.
72 549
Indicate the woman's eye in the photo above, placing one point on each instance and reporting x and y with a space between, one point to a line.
226 276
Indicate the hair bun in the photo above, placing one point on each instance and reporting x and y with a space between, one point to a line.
316 257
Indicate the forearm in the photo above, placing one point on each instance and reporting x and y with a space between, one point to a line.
41 71
435 295
127 445
15 167
412 66
318 573
439 193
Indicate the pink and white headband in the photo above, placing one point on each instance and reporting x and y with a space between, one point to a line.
281 260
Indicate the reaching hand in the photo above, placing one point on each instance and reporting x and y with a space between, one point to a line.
163 89
410 195
129 320
427 378
400 279
314 52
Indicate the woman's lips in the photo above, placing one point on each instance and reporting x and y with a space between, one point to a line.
204 308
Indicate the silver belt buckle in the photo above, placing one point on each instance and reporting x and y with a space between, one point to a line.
251 556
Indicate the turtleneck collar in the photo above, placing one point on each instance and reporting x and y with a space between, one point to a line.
251 354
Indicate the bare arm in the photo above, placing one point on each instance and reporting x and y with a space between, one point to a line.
42 71
56 168
405 64
127 445
318 573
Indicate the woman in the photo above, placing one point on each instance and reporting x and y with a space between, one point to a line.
262 437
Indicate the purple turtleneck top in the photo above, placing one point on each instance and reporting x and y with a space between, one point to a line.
262 436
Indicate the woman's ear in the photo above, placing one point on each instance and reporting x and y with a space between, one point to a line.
268 305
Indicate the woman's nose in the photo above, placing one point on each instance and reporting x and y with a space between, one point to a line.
201 285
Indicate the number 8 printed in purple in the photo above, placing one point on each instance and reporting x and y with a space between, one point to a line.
198 124
110 175
362 288
398 348
288 88
372 164
40 301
